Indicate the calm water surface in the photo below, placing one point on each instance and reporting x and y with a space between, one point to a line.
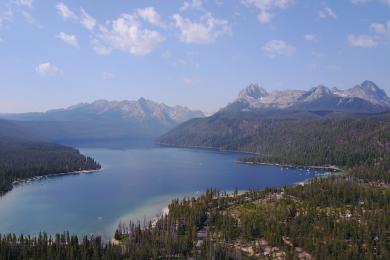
134 184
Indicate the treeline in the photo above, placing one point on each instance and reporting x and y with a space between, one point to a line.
21 159
61 246
343 141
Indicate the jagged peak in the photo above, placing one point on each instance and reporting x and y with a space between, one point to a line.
370 91
142 99
321 89
372 87
253 91
369 83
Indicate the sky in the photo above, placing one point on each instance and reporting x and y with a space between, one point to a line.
197 53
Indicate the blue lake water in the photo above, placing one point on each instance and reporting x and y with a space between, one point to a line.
134 184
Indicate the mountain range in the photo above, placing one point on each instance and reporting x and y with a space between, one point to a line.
366 97
142 119
103 120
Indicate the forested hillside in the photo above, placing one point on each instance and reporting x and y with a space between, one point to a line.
341 140
20 159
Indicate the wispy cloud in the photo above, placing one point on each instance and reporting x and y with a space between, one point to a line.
267 8
150 15
27 3
362 41
68 39
310 37
48 69
65 12
86 20
327 13
191 5
381 32
278 47
204 31
381 29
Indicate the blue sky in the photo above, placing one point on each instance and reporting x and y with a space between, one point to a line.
194 53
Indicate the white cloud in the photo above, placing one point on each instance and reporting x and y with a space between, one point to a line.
86 20
278 47
382 30
65 12
267 7
68 39
378 28
327 13
192 5
311 37
207 30
151 16
381 33
28 3
48 69
126 34
362 41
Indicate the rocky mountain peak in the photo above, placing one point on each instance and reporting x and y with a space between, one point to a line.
369 91
253 91
316 93
365 97
321 90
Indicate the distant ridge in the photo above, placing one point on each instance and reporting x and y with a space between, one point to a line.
105 120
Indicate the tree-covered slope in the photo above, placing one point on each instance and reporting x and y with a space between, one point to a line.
23 156
25 159
342 140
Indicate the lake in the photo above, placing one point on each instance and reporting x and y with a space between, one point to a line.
134 184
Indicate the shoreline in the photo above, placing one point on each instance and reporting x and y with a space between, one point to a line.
18 182
205 148
331 167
